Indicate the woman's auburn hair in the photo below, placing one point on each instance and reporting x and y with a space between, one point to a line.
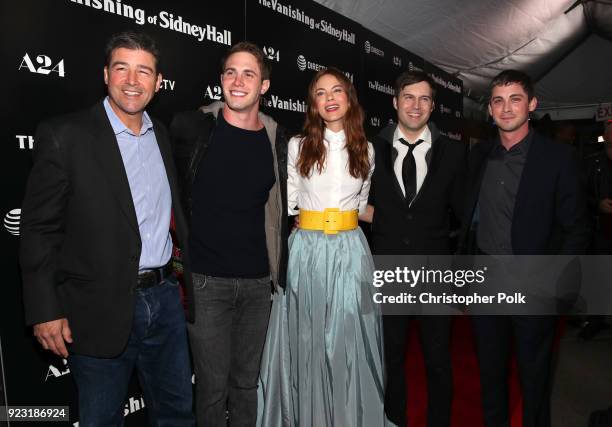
312 149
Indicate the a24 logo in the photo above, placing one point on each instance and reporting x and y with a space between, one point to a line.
44 65
213 92
271 53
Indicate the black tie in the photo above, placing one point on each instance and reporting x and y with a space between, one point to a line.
409 170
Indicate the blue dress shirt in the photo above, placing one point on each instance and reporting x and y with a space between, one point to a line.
149 186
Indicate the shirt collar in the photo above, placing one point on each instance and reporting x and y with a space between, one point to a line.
335 140
425 136
119 127
522 147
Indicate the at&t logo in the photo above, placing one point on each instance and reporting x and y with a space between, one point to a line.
301 62
11 221
366 45
45 65
25 142
213 92
271 53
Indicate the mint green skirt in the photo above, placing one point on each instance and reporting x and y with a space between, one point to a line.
323 359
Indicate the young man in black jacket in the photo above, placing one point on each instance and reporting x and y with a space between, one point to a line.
232 161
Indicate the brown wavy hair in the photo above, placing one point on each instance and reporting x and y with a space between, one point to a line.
313 150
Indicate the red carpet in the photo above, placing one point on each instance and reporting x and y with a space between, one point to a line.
467 408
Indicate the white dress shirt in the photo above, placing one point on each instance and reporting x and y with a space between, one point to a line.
334 187
419 154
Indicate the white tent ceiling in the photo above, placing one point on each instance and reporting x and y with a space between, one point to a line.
565 45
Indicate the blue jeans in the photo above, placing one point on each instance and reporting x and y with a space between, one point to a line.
227 341
158 349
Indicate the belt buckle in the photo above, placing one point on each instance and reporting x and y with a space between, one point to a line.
332 220
146 280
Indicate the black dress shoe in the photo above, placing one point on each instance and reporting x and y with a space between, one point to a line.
591 328
575 321
601 418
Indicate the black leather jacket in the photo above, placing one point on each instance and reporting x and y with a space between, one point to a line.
191 133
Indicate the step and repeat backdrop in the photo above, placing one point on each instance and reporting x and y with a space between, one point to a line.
53 59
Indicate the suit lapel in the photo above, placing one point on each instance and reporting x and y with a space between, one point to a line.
529 179
391 157
106 151
478 164
166 154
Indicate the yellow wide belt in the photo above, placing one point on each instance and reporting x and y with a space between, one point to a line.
330 221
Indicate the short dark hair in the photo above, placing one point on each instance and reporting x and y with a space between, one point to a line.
507 77
134 41
253 49
411 77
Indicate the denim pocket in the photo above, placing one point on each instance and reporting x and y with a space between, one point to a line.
264 280
172 280
199 281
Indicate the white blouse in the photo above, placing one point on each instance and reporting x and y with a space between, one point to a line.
334 187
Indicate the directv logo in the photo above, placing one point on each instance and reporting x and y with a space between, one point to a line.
413 67
301 62
11 221
370 48
445 110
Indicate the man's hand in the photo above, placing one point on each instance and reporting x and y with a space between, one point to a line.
296 222
605 205
51 335
368 215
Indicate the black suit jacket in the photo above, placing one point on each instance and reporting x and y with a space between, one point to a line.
80 242
424 226
550 208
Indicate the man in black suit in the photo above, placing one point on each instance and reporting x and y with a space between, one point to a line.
524 198
96 246
417 182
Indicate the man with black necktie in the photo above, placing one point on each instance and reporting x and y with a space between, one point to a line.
417 182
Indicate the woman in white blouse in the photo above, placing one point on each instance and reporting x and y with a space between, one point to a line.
322 362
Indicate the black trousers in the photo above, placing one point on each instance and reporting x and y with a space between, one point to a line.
533 337
435 341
